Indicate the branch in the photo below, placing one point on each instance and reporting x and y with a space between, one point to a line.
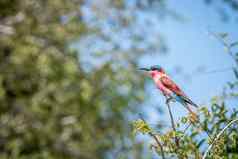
156 139
159 144
217 137
172 123
224 43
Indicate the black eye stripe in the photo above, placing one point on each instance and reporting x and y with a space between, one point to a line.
153 69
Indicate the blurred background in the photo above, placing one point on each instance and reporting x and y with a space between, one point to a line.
69 80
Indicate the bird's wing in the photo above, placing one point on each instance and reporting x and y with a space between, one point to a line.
168 83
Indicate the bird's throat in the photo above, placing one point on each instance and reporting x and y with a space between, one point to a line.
156 74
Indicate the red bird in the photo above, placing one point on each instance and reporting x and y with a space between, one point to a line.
169 89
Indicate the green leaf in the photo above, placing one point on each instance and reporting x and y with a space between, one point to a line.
204 110
201 142
184 120
141 126
179 133
172 134
214 99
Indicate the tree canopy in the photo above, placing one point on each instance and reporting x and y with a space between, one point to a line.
51 107
69 86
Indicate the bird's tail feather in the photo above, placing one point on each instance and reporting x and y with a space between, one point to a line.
186 102
189 101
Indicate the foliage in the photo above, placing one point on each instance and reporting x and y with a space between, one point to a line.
141 126
194 137
55 104
193 141
51 106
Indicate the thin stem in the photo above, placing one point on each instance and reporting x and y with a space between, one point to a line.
156 139
158 143
217 137
172 123
223 42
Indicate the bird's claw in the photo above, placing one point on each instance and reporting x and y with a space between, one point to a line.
168 100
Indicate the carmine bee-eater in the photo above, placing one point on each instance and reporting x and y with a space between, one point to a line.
169 89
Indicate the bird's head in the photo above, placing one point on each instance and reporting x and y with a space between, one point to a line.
153 70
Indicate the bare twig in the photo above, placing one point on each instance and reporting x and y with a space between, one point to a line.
156 139
172 123
224 43
158 143
218 70
217 137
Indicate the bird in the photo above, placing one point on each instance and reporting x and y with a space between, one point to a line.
169 88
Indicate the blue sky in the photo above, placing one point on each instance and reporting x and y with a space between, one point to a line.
191 47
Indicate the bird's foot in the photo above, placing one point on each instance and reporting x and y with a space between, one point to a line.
168 100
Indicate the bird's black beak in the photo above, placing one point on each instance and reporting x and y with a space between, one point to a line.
145 69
